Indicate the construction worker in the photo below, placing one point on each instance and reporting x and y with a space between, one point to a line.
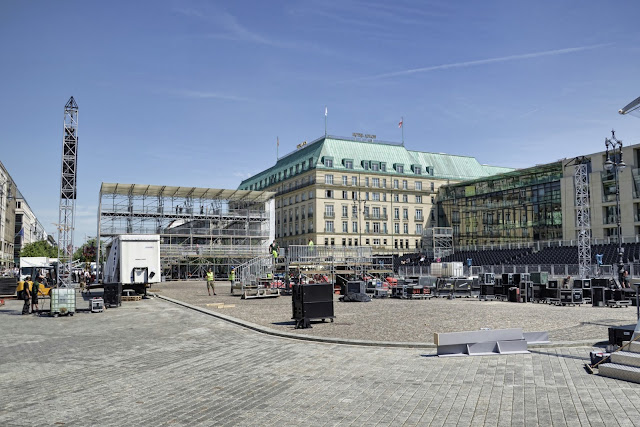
211 282
232 277
35 288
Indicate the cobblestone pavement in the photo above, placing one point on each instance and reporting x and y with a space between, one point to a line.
396 320
155 363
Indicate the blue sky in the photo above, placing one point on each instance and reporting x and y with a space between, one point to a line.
195 93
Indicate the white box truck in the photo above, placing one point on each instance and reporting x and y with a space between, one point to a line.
133 262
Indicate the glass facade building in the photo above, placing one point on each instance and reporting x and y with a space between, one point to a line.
518 206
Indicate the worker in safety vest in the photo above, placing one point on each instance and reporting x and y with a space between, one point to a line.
211 282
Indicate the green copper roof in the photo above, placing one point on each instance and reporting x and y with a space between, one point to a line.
433 165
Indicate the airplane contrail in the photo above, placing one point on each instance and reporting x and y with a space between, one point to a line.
484 61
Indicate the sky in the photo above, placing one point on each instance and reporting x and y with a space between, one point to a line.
196 93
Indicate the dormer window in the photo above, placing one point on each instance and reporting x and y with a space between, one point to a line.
399 168
375 166
417 169
383 167
348 163
328 161
365 165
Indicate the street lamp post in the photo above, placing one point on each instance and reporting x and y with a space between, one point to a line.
614 149
356 205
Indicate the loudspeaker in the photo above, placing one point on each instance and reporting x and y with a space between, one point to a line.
617 334
553 284
598 296
314 301
516 277
356 287
112 294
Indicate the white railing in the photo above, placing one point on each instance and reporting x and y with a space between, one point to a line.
248 273
554 270
329 253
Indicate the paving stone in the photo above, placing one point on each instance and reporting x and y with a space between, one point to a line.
155 363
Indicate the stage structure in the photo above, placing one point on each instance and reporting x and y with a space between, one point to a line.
438 242
583 216
198 227
68 190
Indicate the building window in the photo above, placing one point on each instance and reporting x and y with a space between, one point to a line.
418 228
374 166
348 164
404 184
418 199
345 211
345 195
384 229
405 213
376 242
384 197
376 227
328 179
328 211
366 181
419 214
354 180
375 182
400 169
366 195
383 167
375 196
328 163
396 228
345 180
354 195
431 185
310 195
354 227
432 200
396 198
366 227
375 212
405 228
345 227
405 198
326 241
396 213
395 184
384 182
328 194
417 170
354 211
328 226
418 185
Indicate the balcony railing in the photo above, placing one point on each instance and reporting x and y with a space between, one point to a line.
329 214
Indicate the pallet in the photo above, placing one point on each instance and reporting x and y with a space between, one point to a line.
131 297
260 293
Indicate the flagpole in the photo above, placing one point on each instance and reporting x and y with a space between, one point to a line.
325 121
402 121
277 147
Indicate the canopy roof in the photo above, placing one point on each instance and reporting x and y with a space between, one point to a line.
183 192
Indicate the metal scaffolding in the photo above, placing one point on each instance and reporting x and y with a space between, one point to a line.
438 242
198 227
68 190
583 217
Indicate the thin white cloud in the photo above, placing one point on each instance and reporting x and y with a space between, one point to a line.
229 28
208 95
483 62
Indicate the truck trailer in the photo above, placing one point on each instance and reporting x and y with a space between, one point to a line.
133 262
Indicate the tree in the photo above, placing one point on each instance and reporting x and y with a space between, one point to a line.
39 248
87 252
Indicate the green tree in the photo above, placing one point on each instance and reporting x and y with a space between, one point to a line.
87 252
39 248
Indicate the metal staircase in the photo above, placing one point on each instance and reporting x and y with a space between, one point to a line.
247 275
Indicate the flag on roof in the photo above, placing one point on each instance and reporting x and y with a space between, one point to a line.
400 124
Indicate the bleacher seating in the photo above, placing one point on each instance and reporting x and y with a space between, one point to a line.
546 255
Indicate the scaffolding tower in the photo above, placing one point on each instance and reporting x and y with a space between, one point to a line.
198 227
583 216
68 191
438 242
